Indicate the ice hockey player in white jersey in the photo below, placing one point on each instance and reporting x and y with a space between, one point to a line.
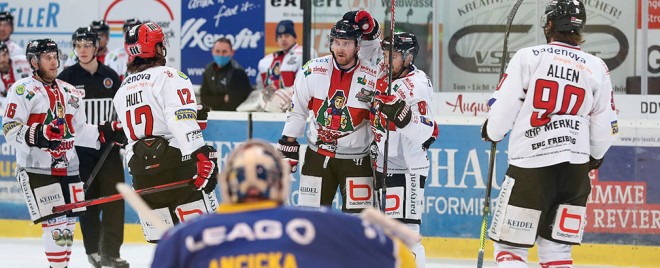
43 119
11 70
117 59
157 107
6 30
337 90
253 227
557 101
412 131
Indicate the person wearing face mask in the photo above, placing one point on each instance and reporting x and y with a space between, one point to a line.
225 85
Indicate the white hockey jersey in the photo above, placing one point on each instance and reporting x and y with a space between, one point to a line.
14 49
559 102
159 101
339 102
31 101
117 59
19 68
279 68
405 152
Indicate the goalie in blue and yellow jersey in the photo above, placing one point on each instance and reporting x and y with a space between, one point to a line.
253 227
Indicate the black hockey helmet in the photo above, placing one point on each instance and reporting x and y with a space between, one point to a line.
39 46
129 23
85 33
568 16
99 27
345 29
3 47
404 42
7 16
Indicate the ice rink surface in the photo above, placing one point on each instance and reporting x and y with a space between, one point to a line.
28 253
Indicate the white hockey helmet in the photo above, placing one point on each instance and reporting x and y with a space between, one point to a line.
255 171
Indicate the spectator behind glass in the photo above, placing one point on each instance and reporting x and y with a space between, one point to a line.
225 84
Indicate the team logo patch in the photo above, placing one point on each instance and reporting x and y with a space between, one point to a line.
73 101
307 71
9 126
362 80
615 127
425 121
365 95
193 135
186 114
107 83
30 95
20 89
182 75
168 73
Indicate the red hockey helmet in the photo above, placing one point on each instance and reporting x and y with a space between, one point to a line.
141 40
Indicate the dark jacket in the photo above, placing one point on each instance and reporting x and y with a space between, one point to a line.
218 82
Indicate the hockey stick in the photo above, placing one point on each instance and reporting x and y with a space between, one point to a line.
493 145
115 197
140 206
101 161
383 184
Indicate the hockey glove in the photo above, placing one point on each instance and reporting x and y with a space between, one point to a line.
427 144
595 163
108 131
365 21
202 115
394 109
45 137
290 151
207 168
484 132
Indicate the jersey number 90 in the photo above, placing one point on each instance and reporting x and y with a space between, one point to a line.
545 99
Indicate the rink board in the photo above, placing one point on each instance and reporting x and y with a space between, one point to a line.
623 214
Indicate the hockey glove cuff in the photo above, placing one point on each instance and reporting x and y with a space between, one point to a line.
595 163
290 150
202 115
207 168
394 109
108 131
427 144
45 137
484 132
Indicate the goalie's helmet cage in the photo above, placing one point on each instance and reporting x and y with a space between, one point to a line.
130 23
255 171
404 42
7 16
85 34
141 40
99 27
345 29
568 16
39 46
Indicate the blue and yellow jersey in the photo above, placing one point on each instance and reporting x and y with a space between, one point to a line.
265 234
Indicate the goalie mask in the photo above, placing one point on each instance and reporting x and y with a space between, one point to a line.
568 16
255 171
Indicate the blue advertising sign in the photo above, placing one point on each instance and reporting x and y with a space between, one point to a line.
623 206
242 22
